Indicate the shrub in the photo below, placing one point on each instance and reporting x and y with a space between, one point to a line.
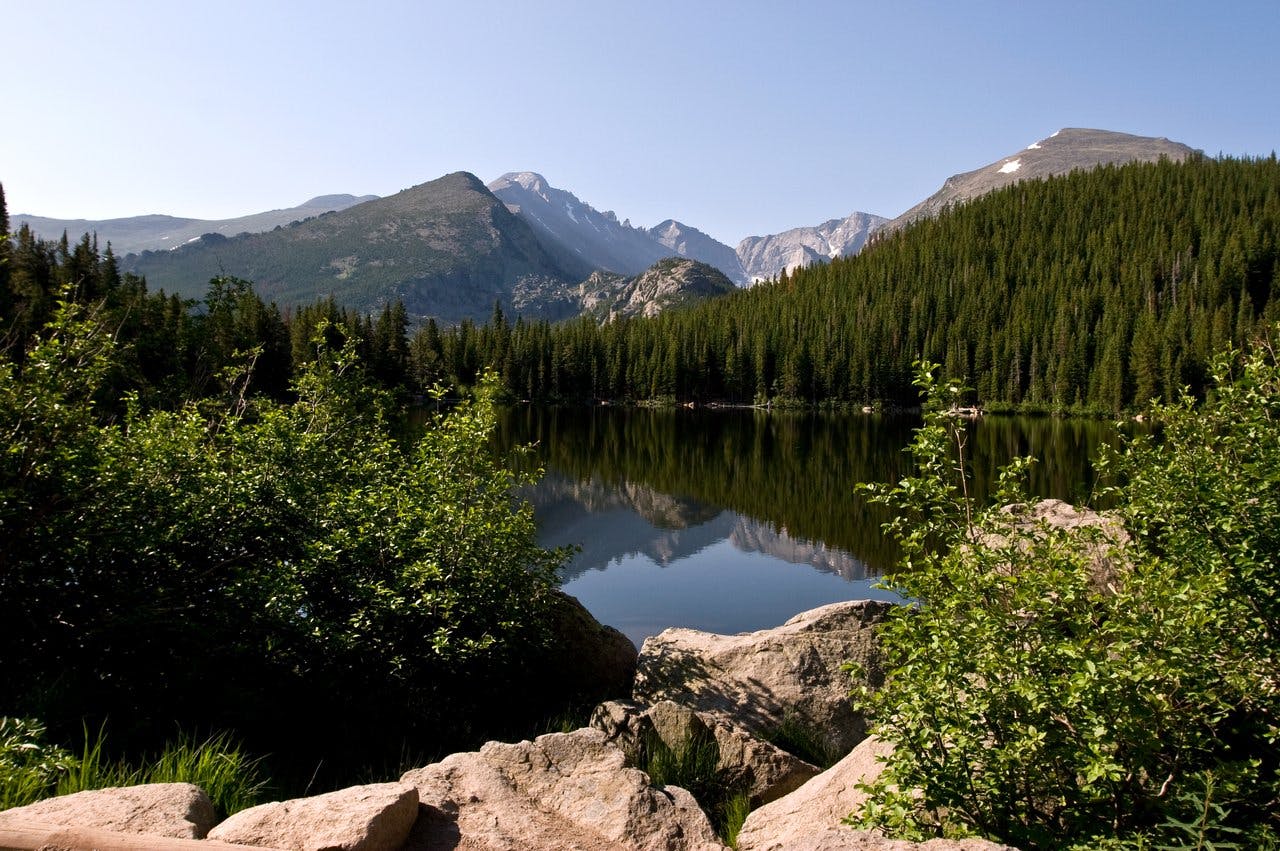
280 570
1036 701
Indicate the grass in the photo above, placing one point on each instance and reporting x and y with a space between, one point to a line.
807 743
31 769
695 765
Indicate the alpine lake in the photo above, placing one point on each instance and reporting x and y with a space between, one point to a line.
731 520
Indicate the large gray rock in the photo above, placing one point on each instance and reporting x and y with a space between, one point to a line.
1100 536
843 839
175 810
809 818
560 792
762 769
817 805
763 680
377 817
586 661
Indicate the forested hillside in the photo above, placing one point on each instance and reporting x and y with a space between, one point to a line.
1094 291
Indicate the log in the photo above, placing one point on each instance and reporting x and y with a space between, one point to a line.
25 835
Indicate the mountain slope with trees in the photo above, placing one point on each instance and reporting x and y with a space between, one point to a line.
1092 291
447 249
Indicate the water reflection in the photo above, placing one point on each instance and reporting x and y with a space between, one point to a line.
730 520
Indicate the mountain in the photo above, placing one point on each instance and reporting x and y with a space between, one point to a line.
447 248
671 282
136 234
1068 149
765 257
692 243
599 239
596 239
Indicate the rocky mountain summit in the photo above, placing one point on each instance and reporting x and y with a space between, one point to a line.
599 239
1060 153
765 257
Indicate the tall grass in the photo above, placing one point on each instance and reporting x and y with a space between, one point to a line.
31 770
695 765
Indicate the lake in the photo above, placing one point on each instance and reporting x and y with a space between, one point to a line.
731 520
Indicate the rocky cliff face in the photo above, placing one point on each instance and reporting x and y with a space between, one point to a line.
692 243
1060 153
765 257
673 282
599 239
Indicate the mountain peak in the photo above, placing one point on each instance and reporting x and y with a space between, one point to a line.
1058 153
599 239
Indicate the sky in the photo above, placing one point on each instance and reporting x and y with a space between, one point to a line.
738 118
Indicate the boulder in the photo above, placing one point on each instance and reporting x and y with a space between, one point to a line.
587 660
560 792
762 769
843 839
1101 536
809 818
174 810
762 681
377 817
817 805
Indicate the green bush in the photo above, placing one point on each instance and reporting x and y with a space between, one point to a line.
280 570
29 767
1037 700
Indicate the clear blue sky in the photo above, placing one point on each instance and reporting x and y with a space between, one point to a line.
739 118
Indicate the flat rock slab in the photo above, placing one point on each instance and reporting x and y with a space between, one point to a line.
175 810
762 680
377 817
560 792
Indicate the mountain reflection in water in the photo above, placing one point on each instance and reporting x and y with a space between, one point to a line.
733 520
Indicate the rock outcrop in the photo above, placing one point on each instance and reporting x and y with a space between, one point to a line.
763 680
560 792
586 661
1102 543
809 818
377 817
762 769
817 805
175 810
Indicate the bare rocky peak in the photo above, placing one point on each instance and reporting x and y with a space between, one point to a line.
690 242
1059 153
597 238
765 257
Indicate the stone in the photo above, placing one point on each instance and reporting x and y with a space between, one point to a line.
760 681
174 810
760 768
377 817
1103 541
560 792
817 805
809 818
844 839
582 663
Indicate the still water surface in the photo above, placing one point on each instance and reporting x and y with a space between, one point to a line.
735 520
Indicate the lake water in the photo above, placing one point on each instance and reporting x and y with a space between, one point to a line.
735 520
